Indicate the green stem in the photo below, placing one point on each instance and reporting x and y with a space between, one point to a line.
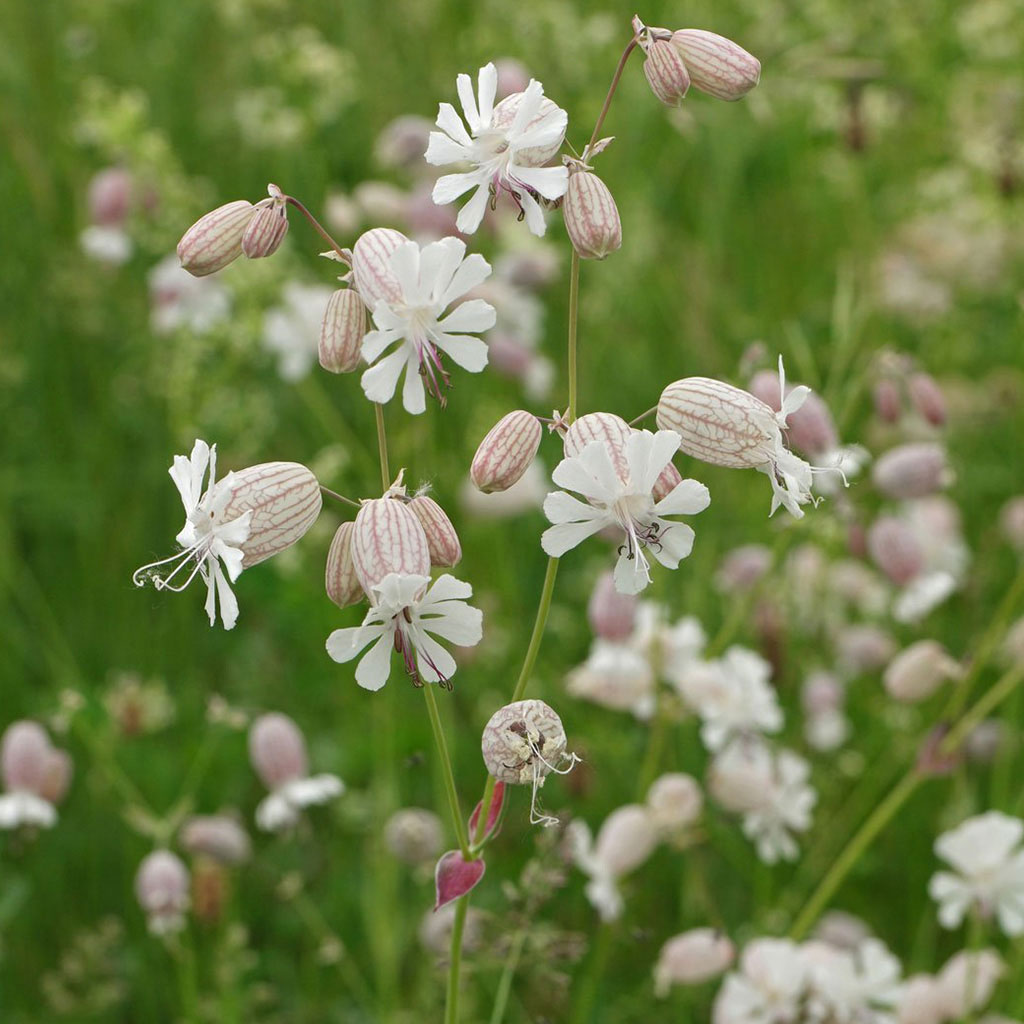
611 90
382 447
591 980
539 623
319 228
984 706
515 951
451 1009
446 767
975 938
188 985
327 492
574 315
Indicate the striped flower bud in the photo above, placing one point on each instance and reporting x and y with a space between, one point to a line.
504 455
591 216
917 672
912 471
717 65
340 579
606 427
664 68
269 225
342 331
277 750
161 887
927 398
285 500
442 540
388 538
371 265
215 240
612 615
895 549
667 482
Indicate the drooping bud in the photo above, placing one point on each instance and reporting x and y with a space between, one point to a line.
442 540
591 216
215 240
388 538
342 331
523 742
340 579
927 398
218 836
717 65
277 750
269 225
504 455
664 68
161 886
692 958
675 801
285 500
919 670
912 471
612 615
414 835
371 265
895 549
606 427
626 838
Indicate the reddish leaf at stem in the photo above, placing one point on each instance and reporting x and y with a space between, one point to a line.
454 877
493 815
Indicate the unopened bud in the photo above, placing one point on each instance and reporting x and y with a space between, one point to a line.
285 500
342 331
692 958
895 549
740 777
340 579
371 265
810 428
505 454
277 750
927 398
664 68
218 836
110 196
667 481
523 742
388 538
888 400
917 672
24 756
675 801
215 240
912 471
864 647
161 886
414 835
611 430
591 216
269 225
612 615
442 540
626 839
717 65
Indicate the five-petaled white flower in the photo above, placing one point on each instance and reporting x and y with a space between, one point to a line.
625 500
506 145
786 807
987 854
211 544
403 612
428 281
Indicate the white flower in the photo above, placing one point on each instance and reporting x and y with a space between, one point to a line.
860 986
210 543
626 501
615 676
402 614
281 809
786 808
180 300
106 244
505 147
768 988
428 281
292 329
986 852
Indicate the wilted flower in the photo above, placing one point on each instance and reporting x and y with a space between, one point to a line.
277 750
35 776
161 887
692 958
506 145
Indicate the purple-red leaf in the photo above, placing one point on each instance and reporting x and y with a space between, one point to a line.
454 877
497 806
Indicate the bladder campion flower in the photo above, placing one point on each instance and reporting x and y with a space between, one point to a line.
35 776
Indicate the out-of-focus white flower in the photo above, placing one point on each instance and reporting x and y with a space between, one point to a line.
988 858
277 750
180 300
35 776
506 146
767 989
106 244
525 495
618 486
860 986
741 776
615 676
692 958
825 725
675 800
786 808
414 835
425 283
161 886
403 613
967 981
292 330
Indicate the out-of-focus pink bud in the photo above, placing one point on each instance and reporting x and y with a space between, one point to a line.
414 835
612 615
664 68
742 567
512 78
811 428
277 750
269 225
218 836
403 142
340 579
442 540
371 265
285 500
912 471
822 693
674 800
692 958
626 839
504 455
161 887
523 742
1011 519
24 757
888 400
919 670
927 398
895 549
388 538
717 65
857 540
342 332
454 877
110 196
591 216
215 240
864 648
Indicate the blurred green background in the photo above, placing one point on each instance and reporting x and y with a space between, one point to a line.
881 134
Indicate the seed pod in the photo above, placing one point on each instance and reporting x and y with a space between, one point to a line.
912 471
717 65
277 750
442 540
675 801
692 958
342 331
895 549
611 615
523 741
285 500
665 71
269 225
340 579
591 216
388 538
600 426
505 453
215 240
919 670
718 423
161 886
927 398
218 836
24 755
371 265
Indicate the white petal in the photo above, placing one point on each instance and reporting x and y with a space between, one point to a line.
449 187
317 789
473 270
462 625
344 644
438 263
688 497
414 397
432 660
560 507
474 315
464 87
226 598
470 353
550 182
379 381
405 265
449 122
373 671
534 215
275 813
472 213
442 150
590 473
487 89
376 342
556 540
446 588
631 574
676 543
